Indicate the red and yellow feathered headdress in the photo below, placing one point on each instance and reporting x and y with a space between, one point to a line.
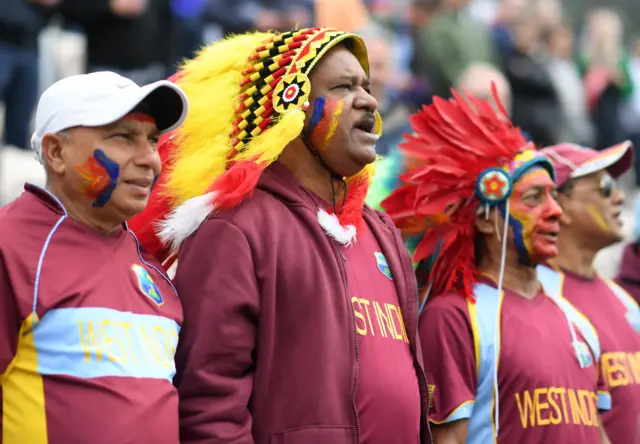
247 100
470 156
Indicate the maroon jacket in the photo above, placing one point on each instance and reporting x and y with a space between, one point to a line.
268 352
629 276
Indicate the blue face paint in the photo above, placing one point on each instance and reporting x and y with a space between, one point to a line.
524 256
316 116
101 177
155 180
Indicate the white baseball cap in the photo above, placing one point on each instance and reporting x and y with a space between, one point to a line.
102 98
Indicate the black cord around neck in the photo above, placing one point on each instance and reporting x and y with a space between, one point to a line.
332 174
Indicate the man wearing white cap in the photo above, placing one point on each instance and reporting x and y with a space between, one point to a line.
88 322
592 204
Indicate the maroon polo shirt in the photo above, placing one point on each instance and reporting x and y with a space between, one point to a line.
89 329
620 344
544 394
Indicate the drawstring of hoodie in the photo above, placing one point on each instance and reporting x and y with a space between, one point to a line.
332 175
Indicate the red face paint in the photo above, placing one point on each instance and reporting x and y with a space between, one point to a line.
534 215
100 174
140 117
324 122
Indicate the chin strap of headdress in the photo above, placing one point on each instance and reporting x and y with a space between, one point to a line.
333 176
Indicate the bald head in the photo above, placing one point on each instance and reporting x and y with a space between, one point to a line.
477 78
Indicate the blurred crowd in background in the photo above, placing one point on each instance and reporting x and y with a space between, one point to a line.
565 76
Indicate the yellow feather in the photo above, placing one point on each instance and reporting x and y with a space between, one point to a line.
366 173
211 81
268 145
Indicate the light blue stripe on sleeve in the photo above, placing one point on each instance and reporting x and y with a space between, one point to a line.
97 342
462 412
604 401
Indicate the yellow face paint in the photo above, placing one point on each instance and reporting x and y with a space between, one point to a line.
333 125
324 122
597 218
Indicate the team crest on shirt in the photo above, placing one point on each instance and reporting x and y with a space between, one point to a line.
633 316
584 353
381 261
146 284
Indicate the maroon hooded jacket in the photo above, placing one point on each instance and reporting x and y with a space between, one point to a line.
268 353
629 276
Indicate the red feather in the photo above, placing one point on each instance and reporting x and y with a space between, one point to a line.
237 183
351 213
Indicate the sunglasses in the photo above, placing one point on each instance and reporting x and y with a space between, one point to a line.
606 186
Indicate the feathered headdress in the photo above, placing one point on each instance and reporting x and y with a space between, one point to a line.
470 155
247 100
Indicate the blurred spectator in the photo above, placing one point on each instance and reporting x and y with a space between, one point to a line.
239 16
394 15
483 11
386 85
576 125
188 29
605 68
421 13
629 275
536 108
547 13
129 37
476 80
630 114
18 166
507 14
20 24
448 44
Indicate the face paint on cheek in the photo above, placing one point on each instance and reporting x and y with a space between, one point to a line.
530 222
597 218
140 117
523 228
324 122
100 175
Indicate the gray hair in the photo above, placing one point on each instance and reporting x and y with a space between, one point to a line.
65 134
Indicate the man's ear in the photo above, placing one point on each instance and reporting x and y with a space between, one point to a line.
565 204
486 225
52 154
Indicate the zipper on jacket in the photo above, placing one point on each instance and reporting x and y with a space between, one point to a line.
355 332
423 373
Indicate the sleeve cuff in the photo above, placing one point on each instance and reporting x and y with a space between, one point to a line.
463 411
604 401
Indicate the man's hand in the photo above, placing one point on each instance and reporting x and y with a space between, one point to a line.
127 8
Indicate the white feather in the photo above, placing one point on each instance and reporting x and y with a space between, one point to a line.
185 220
344 235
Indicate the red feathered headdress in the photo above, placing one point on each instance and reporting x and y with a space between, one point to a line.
459 142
